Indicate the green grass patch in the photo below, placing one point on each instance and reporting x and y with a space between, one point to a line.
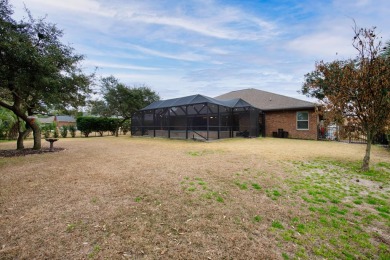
198 186
210 195
256 186
288 235
257 218
213 195
242 186
96 249
384 165
200 153
220 199
383 209
301 228
273 194
70 227
285 256
336 210
191 189
385 216
277 224
375 201
195 153
329 191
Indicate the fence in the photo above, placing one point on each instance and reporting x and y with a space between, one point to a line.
337 133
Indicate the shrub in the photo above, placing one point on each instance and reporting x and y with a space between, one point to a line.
46 129
46 133
85 125
88 125
126 127
64 131
72 130
56 134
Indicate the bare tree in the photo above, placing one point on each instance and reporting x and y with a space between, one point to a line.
355 90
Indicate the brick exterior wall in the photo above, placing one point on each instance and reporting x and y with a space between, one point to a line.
287 120
60 124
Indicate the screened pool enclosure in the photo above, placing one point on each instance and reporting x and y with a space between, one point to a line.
198 117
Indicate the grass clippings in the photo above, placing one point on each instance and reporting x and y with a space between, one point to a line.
131 198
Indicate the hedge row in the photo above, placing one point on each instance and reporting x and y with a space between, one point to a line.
87 125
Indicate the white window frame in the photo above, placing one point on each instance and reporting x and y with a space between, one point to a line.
308 118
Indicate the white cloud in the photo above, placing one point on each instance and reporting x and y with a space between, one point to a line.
214 21
207 46
100 64
322 45
189 56
223 22
79 6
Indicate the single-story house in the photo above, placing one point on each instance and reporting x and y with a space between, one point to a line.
247 112
64 120
296 118
46 120
59 120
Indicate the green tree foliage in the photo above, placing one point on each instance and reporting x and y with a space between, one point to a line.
122 101
89 124
386 50
37 71
8 122
355 91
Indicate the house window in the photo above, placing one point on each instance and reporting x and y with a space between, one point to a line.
303 120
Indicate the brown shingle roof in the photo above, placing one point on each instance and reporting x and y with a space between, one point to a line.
267 101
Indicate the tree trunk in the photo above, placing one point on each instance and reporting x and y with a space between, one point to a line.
37 136
119 126
366 160
21 113
21 137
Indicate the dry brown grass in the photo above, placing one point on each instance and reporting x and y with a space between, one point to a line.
124 197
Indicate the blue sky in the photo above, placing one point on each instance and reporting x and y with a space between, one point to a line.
210 47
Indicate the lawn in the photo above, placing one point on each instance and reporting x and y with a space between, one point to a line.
140 198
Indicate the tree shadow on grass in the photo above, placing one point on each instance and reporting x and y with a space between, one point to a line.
27 151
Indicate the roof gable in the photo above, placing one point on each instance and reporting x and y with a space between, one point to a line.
267 101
